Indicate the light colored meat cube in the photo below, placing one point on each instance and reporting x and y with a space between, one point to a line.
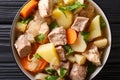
79 23
58 36
78 72
93 55
45 7
23 46
61 52
44 29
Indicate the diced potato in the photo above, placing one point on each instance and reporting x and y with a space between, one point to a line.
79 45
101 42
94 29
71 58
64 19
21 27
48 52
80 59
81 1
68 2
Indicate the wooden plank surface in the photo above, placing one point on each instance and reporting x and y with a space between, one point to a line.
9 69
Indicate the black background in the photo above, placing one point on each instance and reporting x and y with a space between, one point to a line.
8 67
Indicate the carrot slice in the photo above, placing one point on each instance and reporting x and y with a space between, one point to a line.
28 8
41 64
71 36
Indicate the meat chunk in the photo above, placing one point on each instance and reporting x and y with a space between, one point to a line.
33 27
58 36
88 11
61 52
78 72
44 29
80 23
93 55
23 46
45 7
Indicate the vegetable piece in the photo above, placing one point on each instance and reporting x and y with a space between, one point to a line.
53 25
26 21
21 26
51 78
71 58
94 29
63 19
28 8
51 71
68 2
40 76
75 6
68 49
79 45
101 43
81 1
48 52
80 59
85 35
91 68
63 72
71 36
36 65
40 37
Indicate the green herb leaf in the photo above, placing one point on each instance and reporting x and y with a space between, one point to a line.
51 78
91 68
68 49
26 21
63 10
40 37
102 23
85 35
37 56
63 72
51 71
74 6
53 25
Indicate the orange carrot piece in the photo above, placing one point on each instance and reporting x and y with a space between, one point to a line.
40 66
28 8
71 36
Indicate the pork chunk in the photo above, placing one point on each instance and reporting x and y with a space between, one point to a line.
58 36
78 72
44 29
23 46
93 55
45 7
61 52
79 23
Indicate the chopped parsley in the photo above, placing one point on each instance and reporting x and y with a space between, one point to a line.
102 23
51 78
37 56
40 37
51 71
63 72
68 49
53 25
26 21
85 35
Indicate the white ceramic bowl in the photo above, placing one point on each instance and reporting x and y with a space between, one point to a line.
105 57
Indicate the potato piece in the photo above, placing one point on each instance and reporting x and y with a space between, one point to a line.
79 45
81 1
64 19
21 27
68 2
94 29
71 58
80 59
101 42
48 52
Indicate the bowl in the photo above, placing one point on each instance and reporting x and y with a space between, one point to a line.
106 53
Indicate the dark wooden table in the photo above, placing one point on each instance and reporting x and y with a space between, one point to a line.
8 67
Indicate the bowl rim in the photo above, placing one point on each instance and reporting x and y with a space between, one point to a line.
16 57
